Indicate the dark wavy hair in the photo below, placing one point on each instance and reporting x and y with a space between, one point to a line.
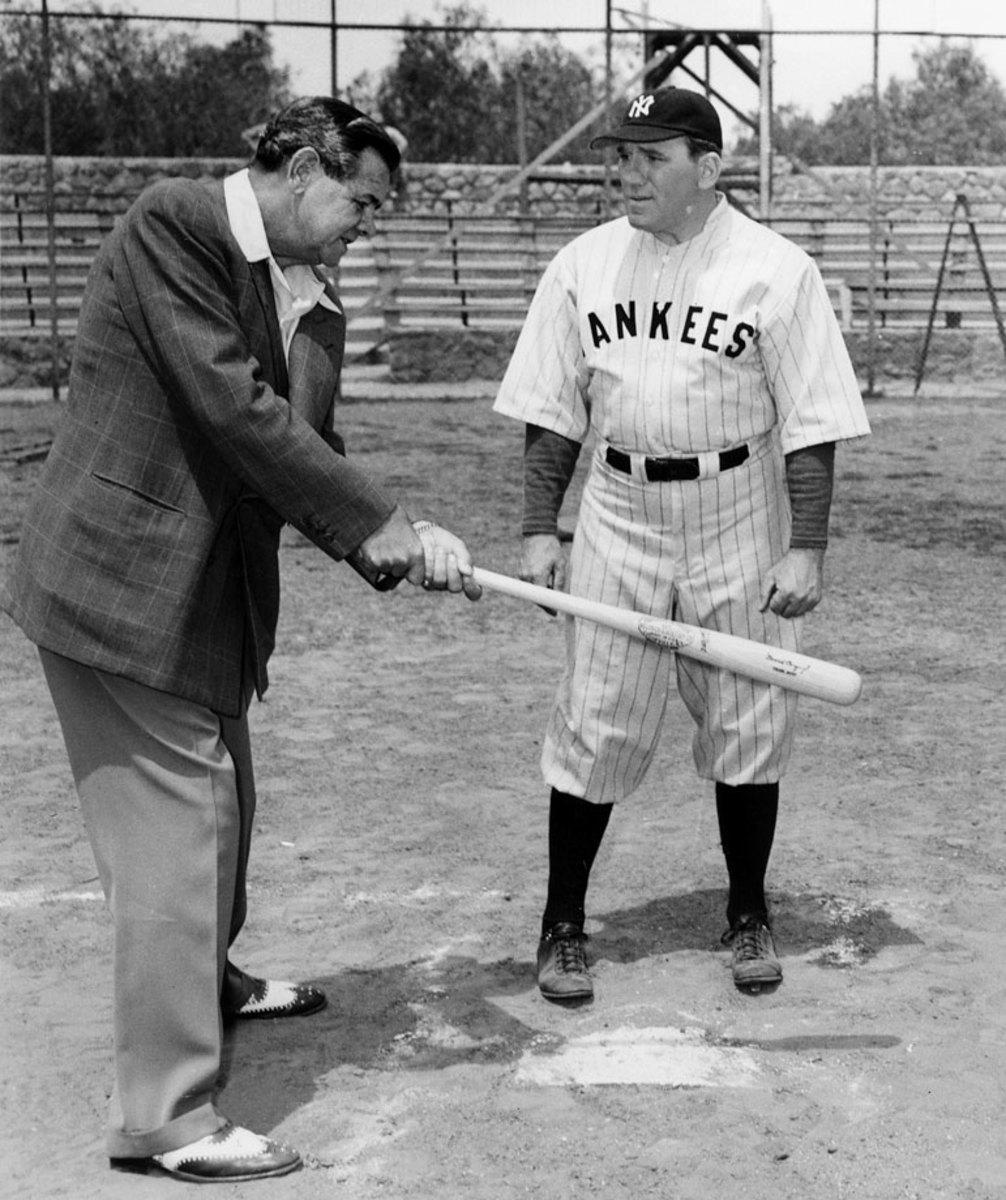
337 131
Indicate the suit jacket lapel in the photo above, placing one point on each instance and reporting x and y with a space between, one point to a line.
315 361
277 364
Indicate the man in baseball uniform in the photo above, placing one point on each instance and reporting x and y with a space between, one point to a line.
701 353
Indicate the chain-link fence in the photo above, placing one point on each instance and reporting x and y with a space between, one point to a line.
893 238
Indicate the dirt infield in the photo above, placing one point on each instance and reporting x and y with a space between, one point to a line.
400 861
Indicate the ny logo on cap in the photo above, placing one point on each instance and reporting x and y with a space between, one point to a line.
640 107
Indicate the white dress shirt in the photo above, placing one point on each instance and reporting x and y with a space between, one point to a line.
296 289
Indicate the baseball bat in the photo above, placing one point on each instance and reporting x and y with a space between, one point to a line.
768 664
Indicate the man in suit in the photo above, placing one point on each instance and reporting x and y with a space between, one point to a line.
199 421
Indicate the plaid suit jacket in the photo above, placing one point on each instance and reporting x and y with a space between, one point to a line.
150 549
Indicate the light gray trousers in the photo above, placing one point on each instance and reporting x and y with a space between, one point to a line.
168 796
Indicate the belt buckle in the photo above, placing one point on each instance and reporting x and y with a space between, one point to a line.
666 469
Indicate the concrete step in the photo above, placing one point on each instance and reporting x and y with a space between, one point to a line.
365 372
358 280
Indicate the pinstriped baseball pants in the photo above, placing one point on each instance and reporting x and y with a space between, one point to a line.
696 551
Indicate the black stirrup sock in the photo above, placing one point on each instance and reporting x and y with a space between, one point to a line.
747 818
575 830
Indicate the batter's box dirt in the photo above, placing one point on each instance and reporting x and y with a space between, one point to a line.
836 932
400 863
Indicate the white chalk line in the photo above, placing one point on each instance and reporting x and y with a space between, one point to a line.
424 894
36 897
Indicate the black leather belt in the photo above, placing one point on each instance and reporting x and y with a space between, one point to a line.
661 470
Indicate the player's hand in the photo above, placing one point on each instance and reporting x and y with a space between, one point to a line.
395 549
447 564
543 562
795 584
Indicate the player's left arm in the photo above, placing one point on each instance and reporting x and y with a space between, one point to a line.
795 584
813 383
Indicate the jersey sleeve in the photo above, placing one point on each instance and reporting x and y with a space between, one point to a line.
546 380
808 369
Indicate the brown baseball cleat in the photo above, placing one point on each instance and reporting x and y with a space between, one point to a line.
754 963
562 964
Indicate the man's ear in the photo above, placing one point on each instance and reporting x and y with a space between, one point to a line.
303 166
710 166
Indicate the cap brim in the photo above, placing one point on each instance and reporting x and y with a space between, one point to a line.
636 133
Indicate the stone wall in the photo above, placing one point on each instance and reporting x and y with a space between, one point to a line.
904 193
96 184
26 362
461 355
457 355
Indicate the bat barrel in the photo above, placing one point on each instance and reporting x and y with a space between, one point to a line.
755 660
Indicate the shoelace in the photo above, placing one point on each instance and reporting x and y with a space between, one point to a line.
569 955
748 941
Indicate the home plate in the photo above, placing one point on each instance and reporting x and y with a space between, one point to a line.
665 1057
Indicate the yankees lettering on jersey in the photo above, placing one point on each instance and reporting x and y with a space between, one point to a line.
697 328
680 349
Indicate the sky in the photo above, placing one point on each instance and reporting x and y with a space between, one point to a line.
810 70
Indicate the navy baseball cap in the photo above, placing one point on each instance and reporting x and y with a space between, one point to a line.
665 113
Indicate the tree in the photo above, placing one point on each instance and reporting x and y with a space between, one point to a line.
844 137
120 88
795 134
22 83
558 89
952 113
453 92
441 91
217 93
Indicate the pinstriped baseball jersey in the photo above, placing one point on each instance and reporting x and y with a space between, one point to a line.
670 350
727 339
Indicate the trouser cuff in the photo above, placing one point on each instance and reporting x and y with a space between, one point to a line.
189 1127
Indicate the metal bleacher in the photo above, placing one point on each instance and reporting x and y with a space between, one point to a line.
25 295
485 268
482 271
907 263
479 272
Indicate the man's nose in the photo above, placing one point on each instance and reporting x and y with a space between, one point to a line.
366 223
631 163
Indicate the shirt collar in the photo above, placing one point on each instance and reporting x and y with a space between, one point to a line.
245 217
